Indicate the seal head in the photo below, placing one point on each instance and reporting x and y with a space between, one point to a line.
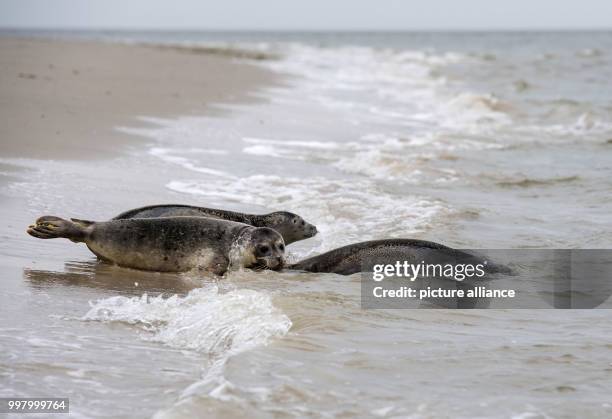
258 248
291 226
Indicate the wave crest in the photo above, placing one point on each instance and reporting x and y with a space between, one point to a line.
205 320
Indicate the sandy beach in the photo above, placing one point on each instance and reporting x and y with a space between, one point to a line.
62 99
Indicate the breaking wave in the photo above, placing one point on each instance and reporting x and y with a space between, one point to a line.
216 323
345 210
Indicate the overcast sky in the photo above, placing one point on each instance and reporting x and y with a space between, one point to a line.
308 14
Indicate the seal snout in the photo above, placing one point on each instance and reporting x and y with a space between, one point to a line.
274 263
311 231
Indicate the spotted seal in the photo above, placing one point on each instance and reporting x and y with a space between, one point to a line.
173 244
291 226
358 257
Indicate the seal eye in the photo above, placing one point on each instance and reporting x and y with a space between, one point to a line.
281 247
303 223
264 249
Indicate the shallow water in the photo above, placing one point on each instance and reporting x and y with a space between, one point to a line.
473 140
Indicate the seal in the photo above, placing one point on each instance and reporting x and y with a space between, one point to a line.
174 244
359 257
291 226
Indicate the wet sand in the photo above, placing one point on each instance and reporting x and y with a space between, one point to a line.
62 99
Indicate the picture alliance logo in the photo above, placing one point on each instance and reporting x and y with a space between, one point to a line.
412 271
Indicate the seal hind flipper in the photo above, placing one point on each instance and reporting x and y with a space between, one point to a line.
50 227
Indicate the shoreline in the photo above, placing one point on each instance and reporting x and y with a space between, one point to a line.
63 100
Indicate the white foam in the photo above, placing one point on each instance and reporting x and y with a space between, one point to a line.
167 155
288 149
330 145
403 159
205 320
406 87
585 123
263 150
344 210
469 109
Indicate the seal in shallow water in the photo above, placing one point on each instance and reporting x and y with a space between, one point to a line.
291 226
356 257
172 244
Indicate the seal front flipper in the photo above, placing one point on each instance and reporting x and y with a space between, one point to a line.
50 227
